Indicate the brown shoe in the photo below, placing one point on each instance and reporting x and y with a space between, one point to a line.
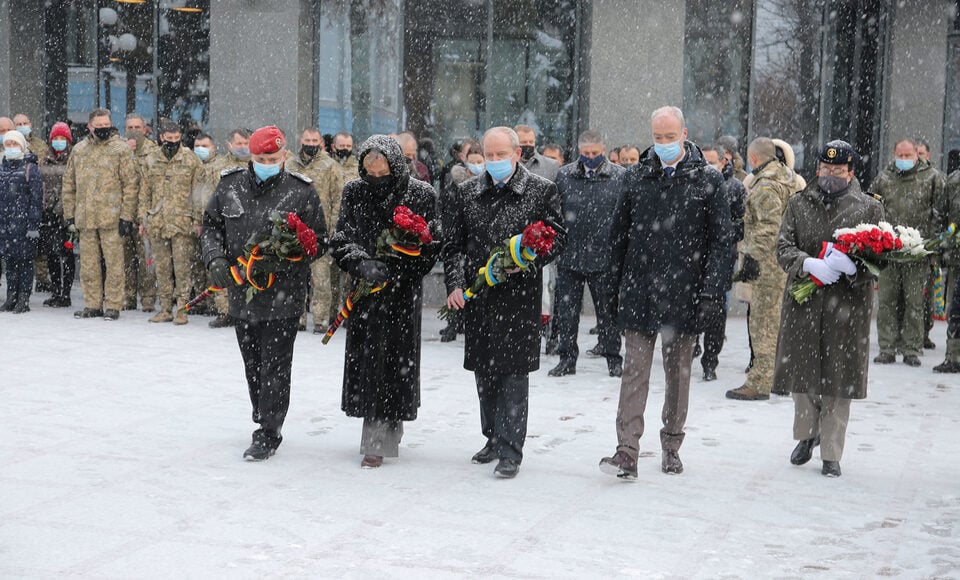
371 462
746 393
180 318
162 316
621 465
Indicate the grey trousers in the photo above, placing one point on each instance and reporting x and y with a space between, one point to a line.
381 437
824 416
677 352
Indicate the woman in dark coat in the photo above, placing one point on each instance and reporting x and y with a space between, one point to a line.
21 198
381 377
54 236
824 344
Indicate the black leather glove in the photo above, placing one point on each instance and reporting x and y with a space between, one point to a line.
126 229
749 270
219 269
709 311
374 271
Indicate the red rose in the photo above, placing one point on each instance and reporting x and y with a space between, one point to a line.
538 237
308 240
294 222
68 245
898 244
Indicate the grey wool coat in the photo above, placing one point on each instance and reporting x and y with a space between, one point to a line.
823 347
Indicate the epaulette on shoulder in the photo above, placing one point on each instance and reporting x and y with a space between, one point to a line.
301 177
231 170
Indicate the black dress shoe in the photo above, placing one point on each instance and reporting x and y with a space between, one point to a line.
804 451
596 352
88 313
615 368
566 367
831 468
885 358
709 374
929 344
507 468
551 347
259 451
671 463
448 334
111 314
485 455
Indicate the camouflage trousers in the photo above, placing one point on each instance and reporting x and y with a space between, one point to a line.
106 245
902 284
174 261
139 278
764 325
321 296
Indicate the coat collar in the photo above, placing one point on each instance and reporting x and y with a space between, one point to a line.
516 184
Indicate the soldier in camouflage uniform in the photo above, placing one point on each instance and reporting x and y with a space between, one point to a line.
138 277
100 190
313 162
342 154
771 188
204 184
912 195
951 259
171 219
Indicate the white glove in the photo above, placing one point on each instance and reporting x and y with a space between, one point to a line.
821 270
839 261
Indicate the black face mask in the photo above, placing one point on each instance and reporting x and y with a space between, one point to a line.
344 153
309 150
527 152
170 148
379 185
103 133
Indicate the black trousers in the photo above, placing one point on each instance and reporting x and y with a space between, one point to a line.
63 268
503 412
267 351
19 276
567 307
713 337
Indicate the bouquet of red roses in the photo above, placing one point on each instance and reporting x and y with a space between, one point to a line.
266 253
408 234
517 252
874 246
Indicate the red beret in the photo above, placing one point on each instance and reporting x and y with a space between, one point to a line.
61 129
266 140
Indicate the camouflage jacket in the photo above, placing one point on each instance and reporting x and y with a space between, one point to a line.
207 178
912 198
166 202
327 182
39 148
350 169
951 250
772 186
101 184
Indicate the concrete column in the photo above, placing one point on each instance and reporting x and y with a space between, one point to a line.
636 66
4 57
261 69
916 75
22 60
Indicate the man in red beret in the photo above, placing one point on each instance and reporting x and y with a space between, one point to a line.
266 326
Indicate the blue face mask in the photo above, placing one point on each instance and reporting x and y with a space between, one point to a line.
667 151
905 164
59 145
202 152
13 153
592 162
24 130
264 171
475 168
500 170
242 152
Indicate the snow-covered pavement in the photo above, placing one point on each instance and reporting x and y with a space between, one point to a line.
121 459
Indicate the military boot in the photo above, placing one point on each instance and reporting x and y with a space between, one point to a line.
180 318
951 362
162 316
23 304
11 302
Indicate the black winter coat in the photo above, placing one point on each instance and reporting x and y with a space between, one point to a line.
502 324
736 195
21 202
381 375
671 241
240 207
588 209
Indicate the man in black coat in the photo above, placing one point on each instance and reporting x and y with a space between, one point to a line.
670 250
381 371
736 194
502 323
589 189
266 326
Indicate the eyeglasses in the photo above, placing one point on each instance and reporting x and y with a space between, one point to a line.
836 171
